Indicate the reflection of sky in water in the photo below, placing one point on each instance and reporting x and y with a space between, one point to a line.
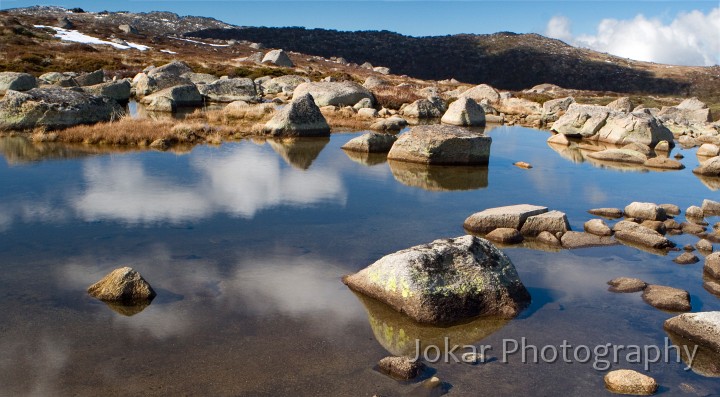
246 245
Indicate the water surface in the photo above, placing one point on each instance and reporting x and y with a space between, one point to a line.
246 243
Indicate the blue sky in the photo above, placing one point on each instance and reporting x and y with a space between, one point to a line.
580 20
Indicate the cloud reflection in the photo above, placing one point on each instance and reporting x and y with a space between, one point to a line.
241 182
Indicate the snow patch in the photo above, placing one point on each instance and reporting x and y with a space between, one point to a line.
168 52
77 37
200 42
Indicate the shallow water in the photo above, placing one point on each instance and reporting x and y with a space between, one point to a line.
246 243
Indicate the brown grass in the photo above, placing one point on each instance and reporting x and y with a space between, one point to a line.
393 97
346 119
248 119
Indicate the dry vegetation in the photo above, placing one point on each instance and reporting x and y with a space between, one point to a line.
392 97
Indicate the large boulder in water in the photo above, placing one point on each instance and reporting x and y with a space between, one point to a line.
446 281
607 125
229 90
16 82
442 145
54 108
702 328
344 93
301 117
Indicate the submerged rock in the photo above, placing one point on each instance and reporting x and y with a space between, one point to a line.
445 281
625 381
667 298
663 163
626 285
54 108
442 145
122 285
548 238
512 216
619 155
702 328
371 143
611 213
401 367
573 240
301 117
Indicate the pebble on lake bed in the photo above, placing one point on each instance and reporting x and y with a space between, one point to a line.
625 381
401 367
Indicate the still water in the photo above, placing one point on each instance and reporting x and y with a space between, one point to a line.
246 243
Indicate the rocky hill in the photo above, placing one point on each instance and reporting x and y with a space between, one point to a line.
505 60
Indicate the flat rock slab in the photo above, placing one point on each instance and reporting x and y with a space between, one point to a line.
702 328
445 281
442 145
626 285
667 298
625 381
572 240
512 216
663 163
619 155
644 237
612 213
553 222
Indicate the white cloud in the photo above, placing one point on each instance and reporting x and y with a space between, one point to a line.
692 38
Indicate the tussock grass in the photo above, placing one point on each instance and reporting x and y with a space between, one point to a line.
393 97
346 119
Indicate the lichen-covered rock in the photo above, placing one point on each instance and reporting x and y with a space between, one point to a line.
181 95
441 145
229 90
649 211
667 298
278 58
626 285
401 367
199 78
117 90
513 216
464 112
625 381
122 285
446 281
371 143
54 108
16 82
344 93
702 328
301 117
287 83
480 92
431 108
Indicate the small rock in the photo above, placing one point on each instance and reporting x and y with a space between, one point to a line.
663 163
710 208
626 284
625 381
160 144
401 367
694 212
712 287
464 112
548 238
619 155
553 222
432 383
667 298
505 235
671 224
708 150
597 227
662 146
692 228
371 143
686 258
679 156
670 209
689 248
612 213
559 139
522 164
648 211
712 265
655 225
122 285
704 245
573 240
473 358
279 58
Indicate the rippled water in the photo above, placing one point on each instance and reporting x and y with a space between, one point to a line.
246 243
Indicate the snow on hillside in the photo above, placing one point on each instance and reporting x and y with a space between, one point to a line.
77 37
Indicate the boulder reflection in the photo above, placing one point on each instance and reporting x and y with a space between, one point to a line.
299 152
439 177
398 334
